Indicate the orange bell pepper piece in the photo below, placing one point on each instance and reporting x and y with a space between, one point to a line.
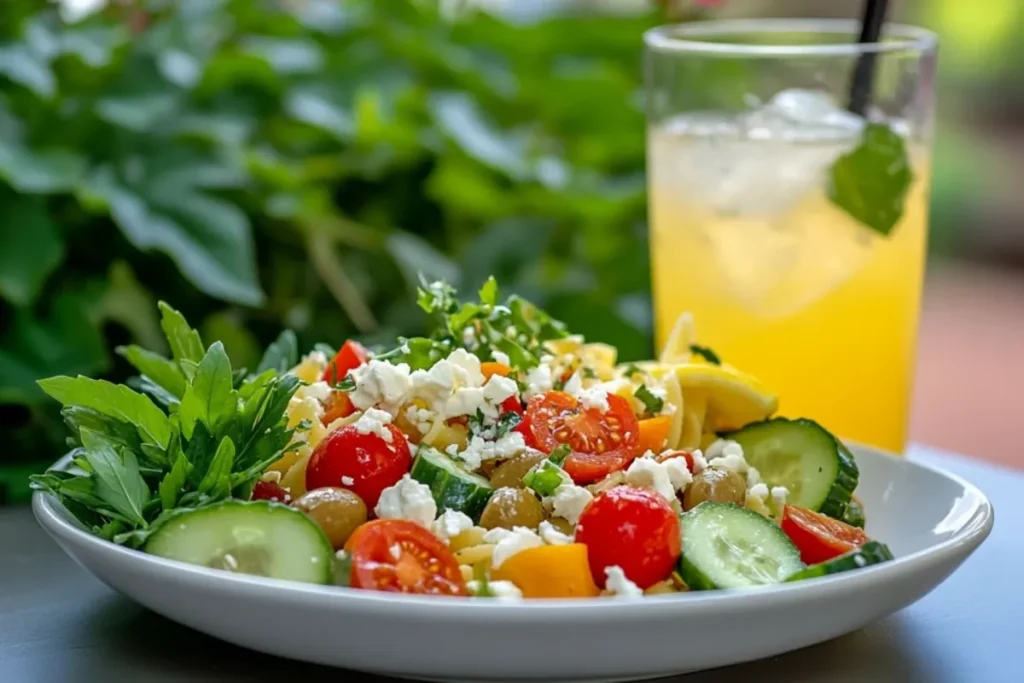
653 432
550 571
494 368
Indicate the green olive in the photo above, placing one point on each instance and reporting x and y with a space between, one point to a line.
509 507
719 485
510 473
337 511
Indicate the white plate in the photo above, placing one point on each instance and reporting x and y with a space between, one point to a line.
930 519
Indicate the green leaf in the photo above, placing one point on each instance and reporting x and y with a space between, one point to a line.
264 433
115 400
282 354
18 63
415 256
184 341
40 171
652 403
171 486
162 371
31 246
211 396
506 423
216 482
870 183
199 451
489 292
116 477
706 353
120 433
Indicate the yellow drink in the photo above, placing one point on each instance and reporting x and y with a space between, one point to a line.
782 283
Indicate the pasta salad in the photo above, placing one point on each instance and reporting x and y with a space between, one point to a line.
500 457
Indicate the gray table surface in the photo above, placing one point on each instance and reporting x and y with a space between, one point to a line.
59 624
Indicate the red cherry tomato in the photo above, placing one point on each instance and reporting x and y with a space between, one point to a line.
400 556
268 490
601 443
349 357
633 528
819 537
512 405
686 455
338 405
363 463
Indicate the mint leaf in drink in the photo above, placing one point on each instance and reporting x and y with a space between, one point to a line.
163 372
281 355
115 400
870 183
116 477
184 341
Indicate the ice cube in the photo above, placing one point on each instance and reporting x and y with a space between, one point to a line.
807 113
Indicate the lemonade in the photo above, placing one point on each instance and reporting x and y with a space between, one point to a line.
780 281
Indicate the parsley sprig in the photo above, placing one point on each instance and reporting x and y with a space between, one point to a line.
195 432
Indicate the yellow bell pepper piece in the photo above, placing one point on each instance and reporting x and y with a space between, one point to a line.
550 571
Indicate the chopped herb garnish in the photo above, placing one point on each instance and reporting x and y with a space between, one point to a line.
632 369
588 372
506 423
652 403
706 353
560 454
346 384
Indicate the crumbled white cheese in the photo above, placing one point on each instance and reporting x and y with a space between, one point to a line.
650 474
723 447
595 398
700 463
450 524
500 590
466 367
538 380
396 551
758 491
499 389
551 535
380 384
407 499
480 449
373 421
678 473
619 584
421 418
574 385
753 477
779 495
435 384
507 543
347 480
321 391
569 501
466 401
500 357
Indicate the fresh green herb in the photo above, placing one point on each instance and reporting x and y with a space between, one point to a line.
871 182
475 422
588 372
652 403
706 353
560 454
282 354
506 423
545 477
489 292
632 369
134 463
483 585
348 383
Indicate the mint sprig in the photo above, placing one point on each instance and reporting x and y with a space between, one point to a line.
136 458
870 183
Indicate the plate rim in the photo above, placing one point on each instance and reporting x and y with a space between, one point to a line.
47 510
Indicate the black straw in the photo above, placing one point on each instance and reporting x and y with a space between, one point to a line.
864 73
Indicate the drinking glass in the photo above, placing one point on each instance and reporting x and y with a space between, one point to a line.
788 171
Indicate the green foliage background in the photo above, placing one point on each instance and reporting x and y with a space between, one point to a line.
268 164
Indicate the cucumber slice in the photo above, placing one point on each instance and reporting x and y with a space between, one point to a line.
854 515
247 537
801 455
727 546
453 487
868 554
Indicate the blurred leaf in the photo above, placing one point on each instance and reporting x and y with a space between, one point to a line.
128 303
30 248
415 256
19 64
228 328
461 119
39 171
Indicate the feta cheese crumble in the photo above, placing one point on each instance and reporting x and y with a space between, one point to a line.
619 584
727 455
647 473
480 450
507 543
407 499
450 524
380 384
373 421
538 380
700 463
779 496
569 501
347 480
552 536
595 398
501 590
500 357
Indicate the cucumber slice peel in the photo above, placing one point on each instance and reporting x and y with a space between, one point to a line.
452 486
727 546
817 469
871 553
246 537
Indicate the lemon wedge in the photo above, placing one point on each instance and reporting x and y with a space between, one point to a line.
734 398
677 346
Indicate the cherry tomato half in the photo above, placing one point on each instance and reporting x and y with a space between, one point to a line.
268 490
633 528
400 556
338 405
363 463
686 455
349 357
601 443
819 537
